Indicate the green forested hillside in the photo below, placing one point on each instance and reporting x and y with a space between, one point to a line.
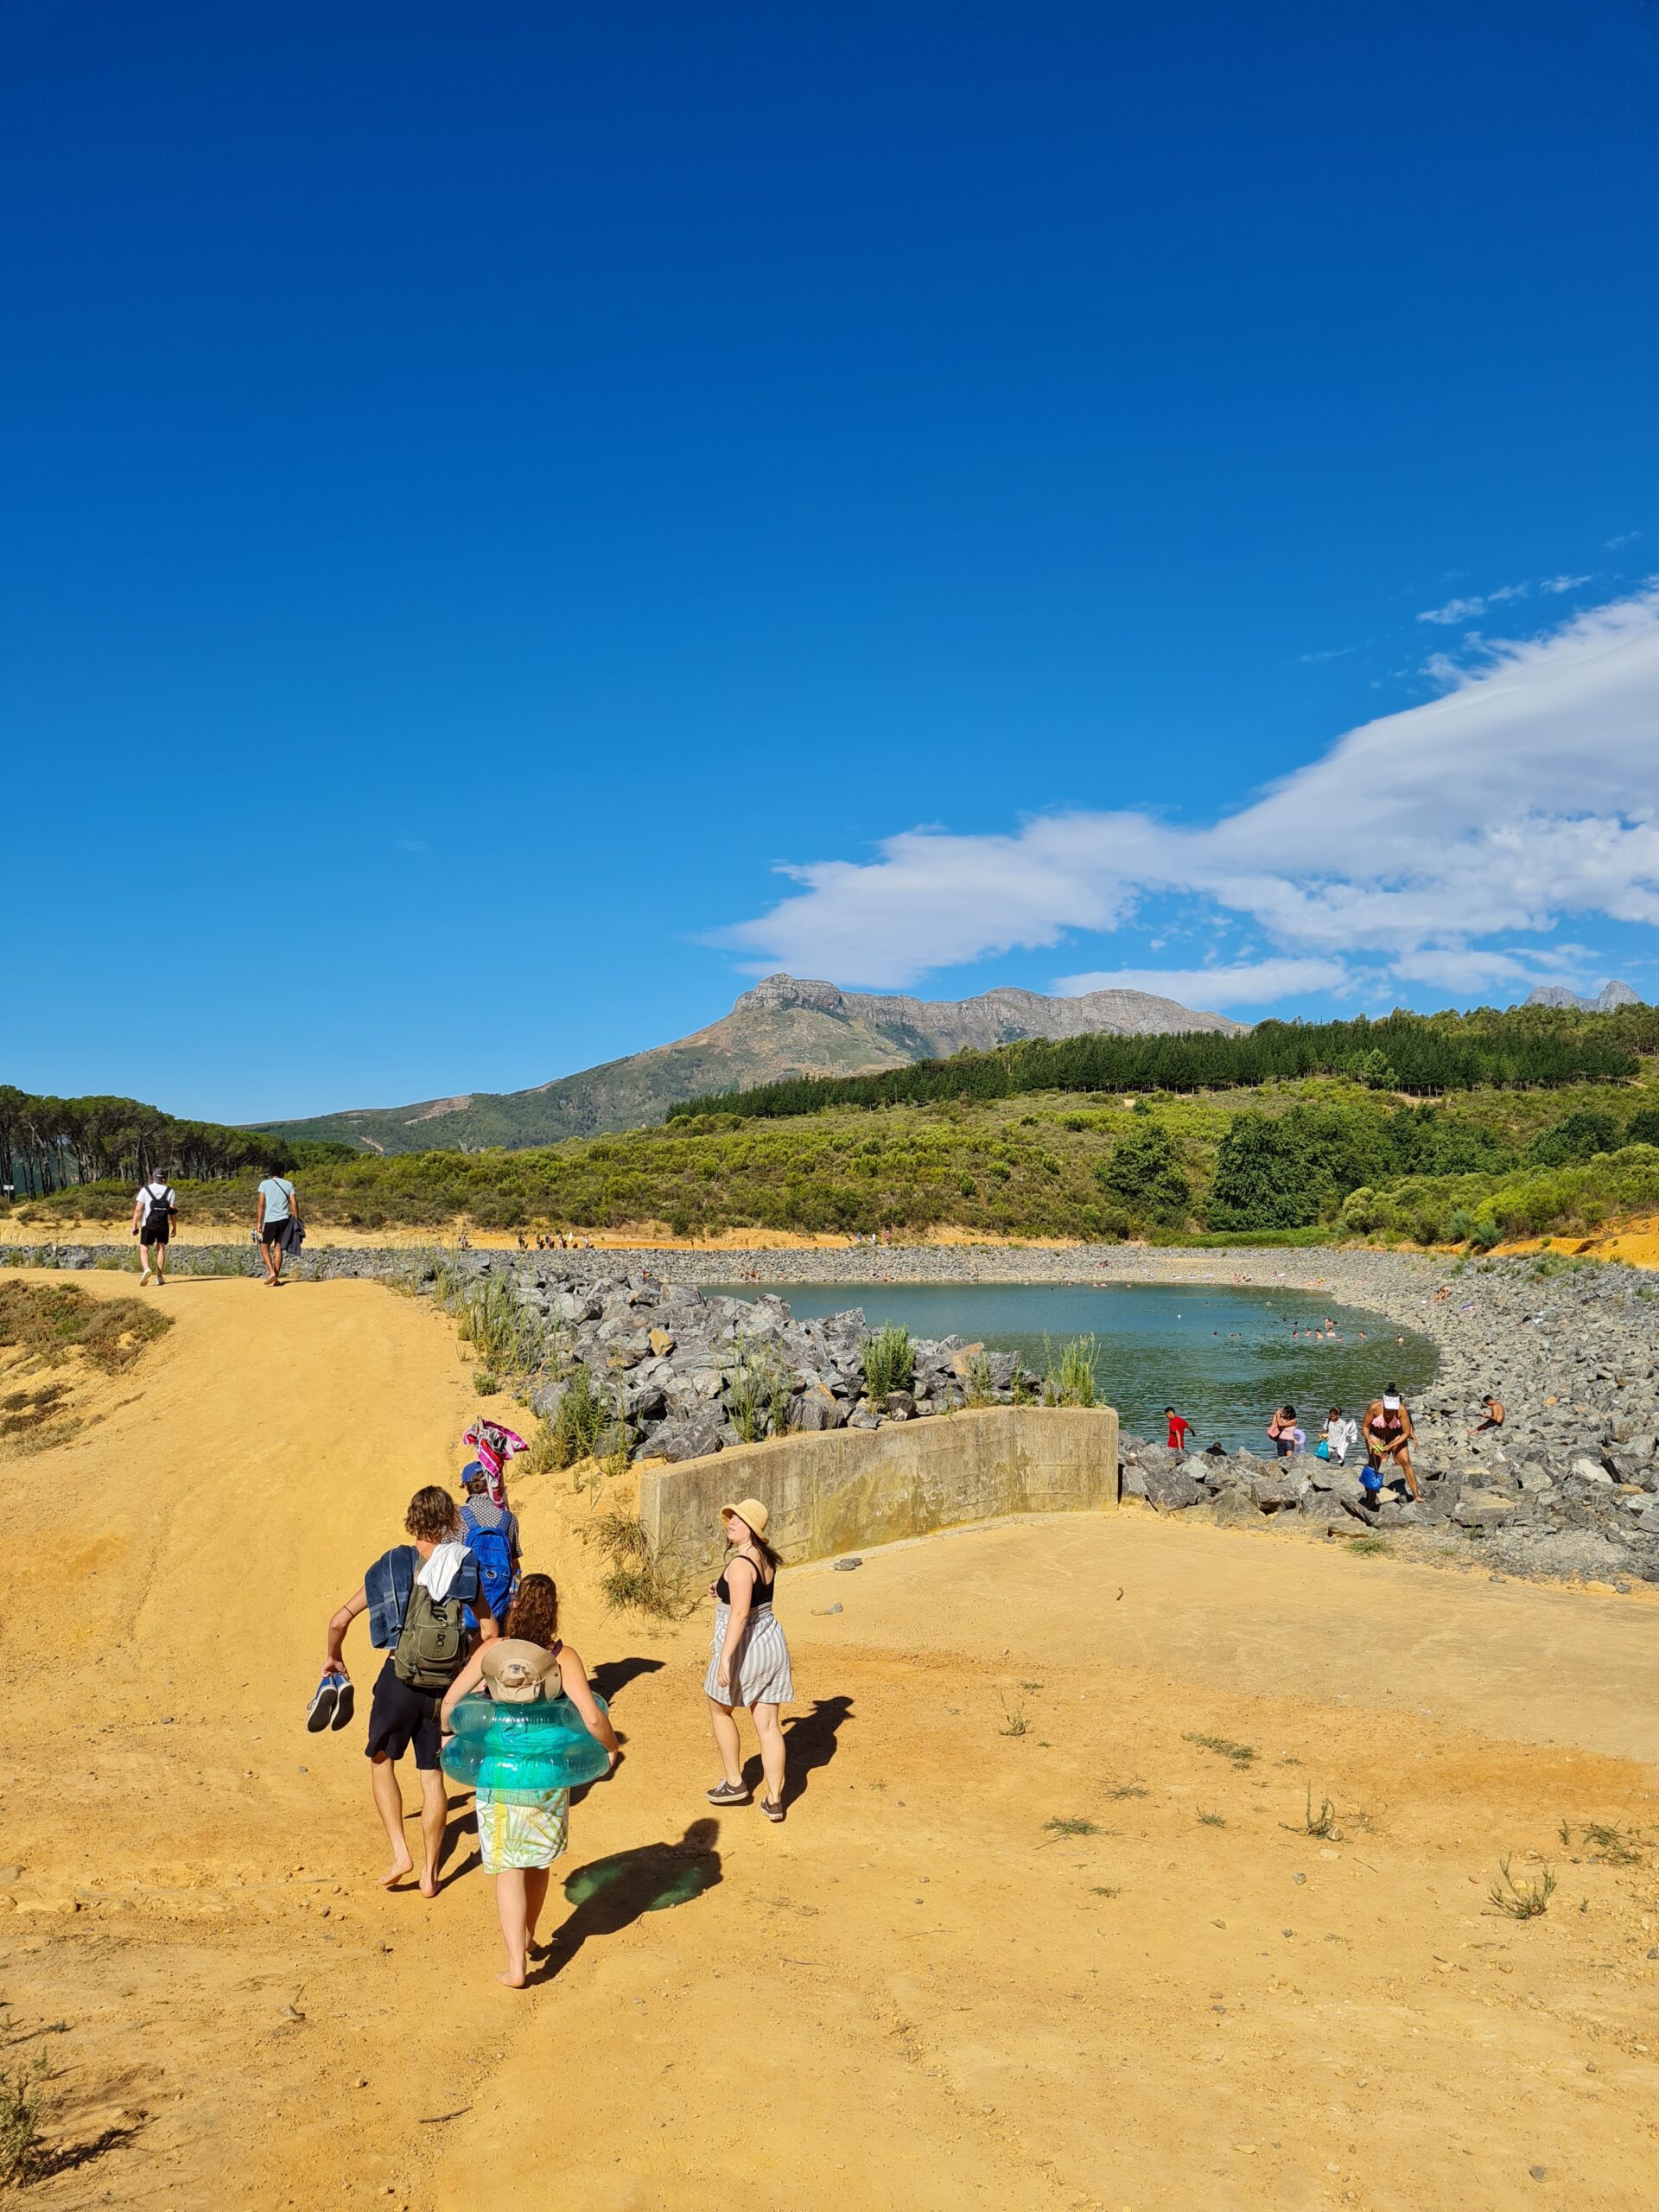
1284 1158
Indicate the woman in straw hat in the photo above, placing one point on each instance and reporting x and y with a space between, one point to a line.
519 1842
750 1662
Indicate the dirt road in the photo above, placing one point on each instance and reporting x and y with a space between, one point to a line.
1044 1927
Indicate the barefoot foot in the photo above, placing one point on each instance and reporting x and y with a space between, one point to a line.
395 1872
513 1978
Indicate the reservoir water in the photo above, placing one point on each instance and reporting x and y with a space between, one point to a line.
1222 1354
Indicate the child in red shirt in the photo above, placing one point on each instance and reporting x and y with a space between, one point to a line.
1179 1430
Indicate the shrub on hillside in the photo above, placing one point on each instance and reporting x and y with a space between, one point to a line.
1145 1172
1577 1138
1264 1177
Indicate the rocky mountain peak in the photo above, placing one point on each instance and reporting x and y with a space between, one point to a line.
1610 996
777 993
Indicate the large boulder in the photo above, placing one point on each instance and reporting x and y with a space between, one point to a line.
1276 1490
1479 1508
1169 1490
693 1437
818 1410
1234 1507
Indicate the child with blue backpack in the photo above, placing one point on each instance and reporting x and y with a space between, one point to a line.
490 1531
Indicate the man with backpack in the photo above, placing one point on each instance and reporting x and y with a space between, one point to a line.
153 1210
420 1598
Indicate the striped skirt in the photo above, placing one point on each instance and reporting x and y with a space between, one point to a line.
760 1665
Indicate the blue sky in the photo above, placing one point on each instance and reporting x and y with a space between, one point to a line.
486 490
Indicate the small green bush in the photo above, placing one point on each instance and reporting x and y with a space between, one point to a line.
981 1391
757 1394
1070 1380
889 1360
637 1576
579 1420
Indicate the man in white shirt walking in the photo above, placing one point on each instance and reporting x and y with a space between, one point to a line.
153 1210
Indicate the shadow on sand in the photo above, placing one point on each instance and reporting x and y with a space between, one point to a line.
809 1742
612 1676
611 1894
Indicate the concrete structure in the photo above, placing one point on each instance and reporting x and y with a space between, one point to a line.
847 1487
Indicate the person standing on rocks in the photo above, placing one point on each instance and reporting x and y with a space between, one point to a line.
276 1209
1390 1436
749 1664
153 1210
1339 1436
1179 1430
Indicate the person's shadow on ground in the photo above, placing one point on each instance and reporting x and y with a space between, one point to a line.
809 1742
611 1894
612 1676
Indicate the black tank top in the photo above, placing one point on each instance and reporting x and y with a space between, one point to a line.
762 1590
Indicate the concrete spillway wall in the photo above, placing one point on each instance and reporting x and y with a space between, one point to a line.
833 1491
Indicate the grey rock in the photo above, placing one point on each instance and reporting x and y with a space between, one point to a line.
1482 1510
1274 1492
1169 1490
691 1439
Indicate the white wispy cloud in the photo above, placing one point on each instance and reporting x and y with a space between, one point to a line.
1562 583
1434 837
1470 610
1257 982
1625 538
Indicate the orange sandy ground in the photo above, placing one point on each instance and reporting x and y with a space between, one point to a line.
918 1992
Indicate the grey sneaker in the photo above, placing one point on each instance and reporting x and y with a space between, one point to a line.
773 1808
730 1793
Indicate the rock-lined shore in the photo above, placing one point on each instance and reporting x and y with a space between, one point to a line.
1570 1484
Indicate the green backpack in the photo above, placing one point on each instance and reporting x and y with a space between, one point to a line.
432 1645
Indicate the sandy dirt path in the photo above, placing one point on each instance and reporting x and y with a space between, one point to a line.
918 1992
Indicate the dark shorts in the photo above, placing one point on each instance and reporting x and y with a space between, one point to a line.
400 1717
155 1232
274 1231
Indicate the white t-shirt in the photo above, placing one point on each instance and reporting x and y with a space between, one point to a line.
156 1194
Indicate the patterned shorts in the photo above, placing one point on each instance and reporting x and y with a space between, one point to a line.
529 1837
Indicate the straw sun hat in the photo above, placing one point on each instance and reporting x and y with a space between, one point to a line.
751 1510
516 1671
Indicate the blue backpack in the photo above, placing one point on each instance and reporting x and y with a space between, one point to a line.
497 1580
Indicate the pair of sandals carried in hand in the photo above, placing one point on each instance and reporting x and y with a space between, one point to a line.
332 1705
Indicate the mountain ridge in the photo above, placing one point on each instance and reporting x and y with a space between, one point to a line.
782 1027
